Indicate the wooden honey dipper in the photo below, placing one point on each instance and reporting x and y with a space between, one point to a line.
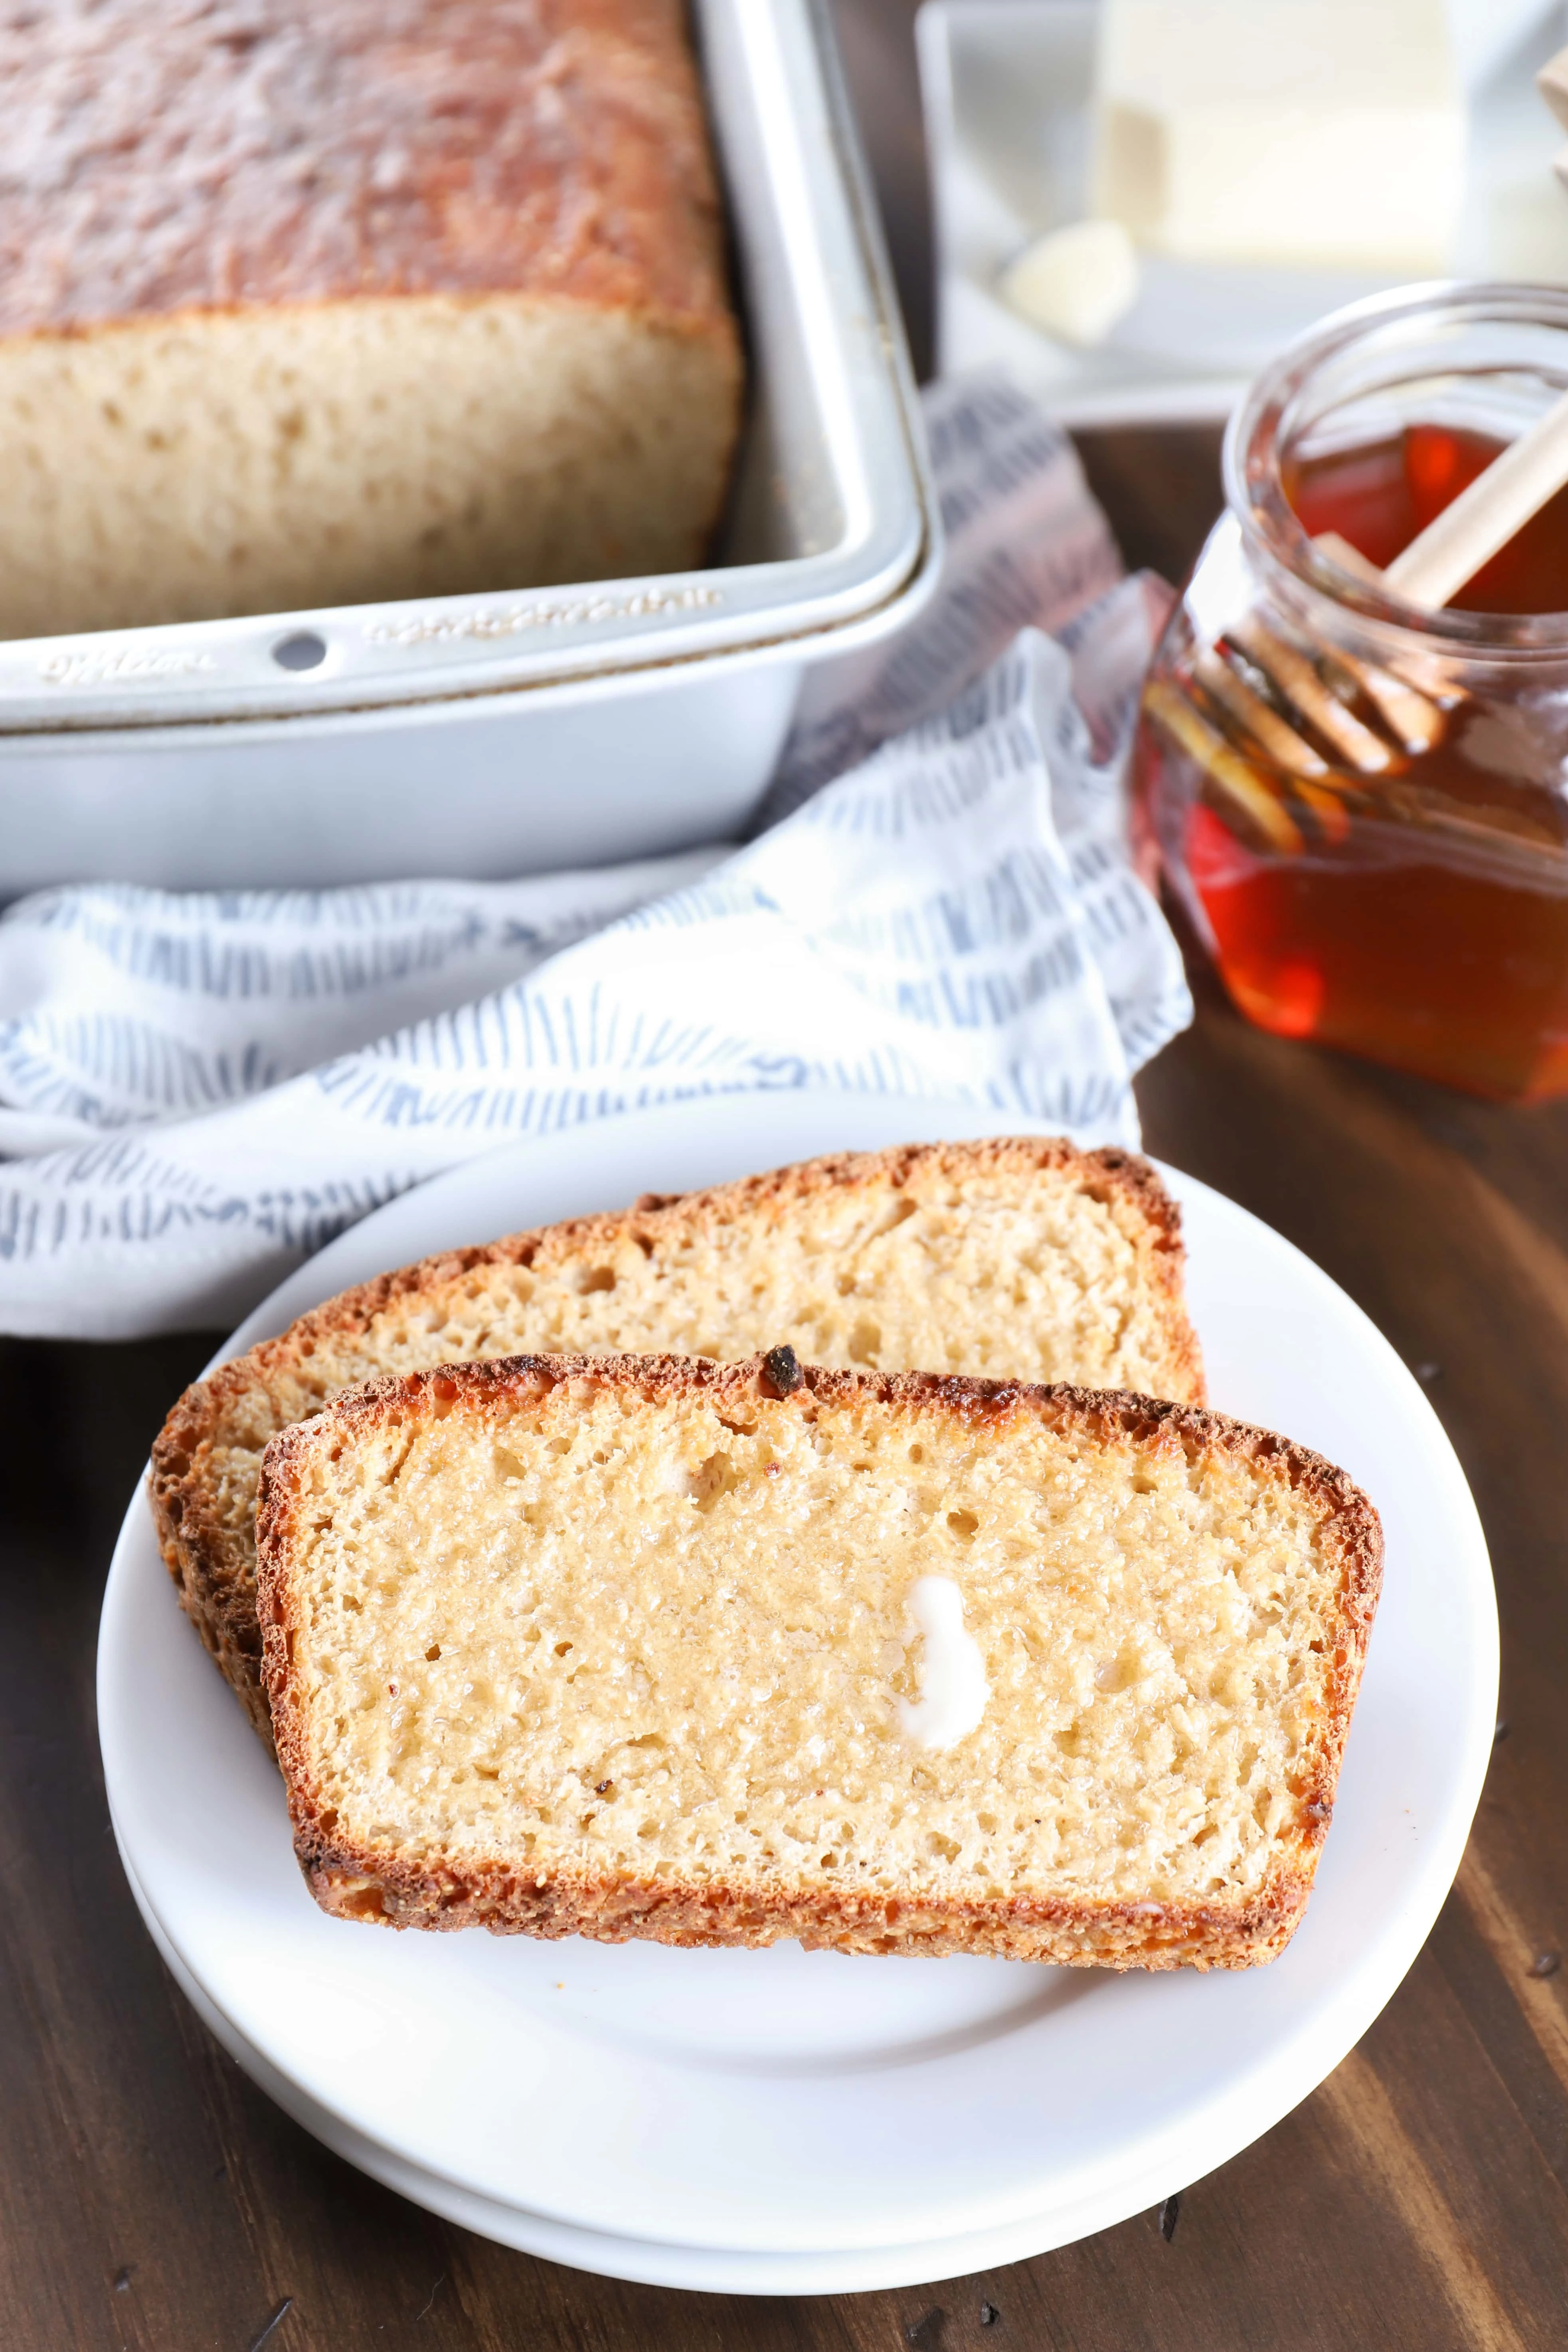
1427 573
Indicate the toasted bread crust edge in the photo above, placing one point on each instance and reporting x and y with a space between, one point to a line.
354 1882
212 1573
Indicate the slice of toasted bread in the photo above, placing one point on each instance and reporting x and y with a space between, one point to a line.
717 1654
1020 1257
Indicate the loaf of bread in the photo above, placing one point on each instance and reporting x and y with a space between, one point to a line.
1018 1256
717 1654
314 301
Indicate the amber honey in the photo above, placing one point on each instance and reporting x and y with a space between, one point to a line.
1382 494
1415 911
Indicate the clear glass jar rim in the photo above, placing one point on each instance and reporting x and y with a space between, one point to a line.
1255 492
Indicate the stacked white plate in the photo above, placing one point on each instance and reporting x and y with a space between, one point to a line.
787 2122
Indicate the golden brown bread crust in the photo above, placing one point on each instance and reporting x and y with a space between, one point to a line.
383 1888
215 153
212 1557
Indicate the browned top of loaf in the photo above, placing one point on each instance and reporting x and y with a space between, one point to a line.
1106 1174
204 153
208 1407
495 1384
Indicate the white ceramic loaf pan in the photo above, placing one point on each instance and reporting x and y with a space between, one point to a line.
511 733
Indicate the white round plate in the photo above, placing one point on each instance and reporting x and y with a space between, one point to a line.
708 2269
801 2121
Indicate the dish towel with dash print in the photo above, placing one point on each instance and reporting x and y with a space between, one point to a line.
198 1090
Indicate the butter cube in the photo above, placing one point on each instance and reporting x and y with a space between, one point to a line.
1076 283
1313 133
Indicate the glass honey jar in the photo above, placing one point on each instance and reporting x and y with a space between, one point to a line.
1363 807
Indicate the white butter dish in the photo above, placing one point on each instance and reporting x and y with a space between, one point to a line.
1008 87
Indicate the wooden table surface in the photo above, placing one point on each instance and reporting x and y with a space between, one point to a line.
152 2198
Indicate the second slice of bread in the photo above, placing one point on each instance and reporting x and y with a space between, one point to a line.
1018 1256
639 1646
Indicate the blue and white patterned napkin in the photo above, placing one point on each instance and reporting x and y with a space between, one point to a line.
198 1089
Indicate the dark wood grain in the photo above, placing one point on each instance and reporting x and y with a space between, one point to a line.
151 2197
875 42
1160 489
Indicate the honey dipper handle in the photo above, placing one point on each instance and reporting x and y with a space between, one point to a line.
1485 517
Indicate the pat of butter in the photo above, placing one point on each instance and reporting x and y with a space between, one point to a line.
1076 283
953 1688
1326 134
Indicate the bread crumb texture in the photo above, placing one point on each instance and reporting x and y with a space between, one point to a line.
1014 1258
621 1650
353 452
